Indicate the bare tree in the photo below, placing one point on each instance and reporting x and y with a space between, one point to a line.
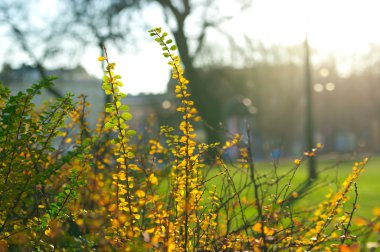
176 14
38 44
100 23
81 23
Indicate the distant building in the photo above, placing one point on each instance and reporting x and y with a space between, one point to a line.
78 81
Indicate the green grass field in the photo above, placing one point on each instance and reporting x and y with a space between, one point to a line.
334 171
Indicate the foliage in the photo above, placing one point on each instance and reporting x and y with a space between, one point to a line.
37 178
68 187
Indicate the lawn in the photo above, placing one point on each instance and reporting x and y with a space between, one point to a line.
334 169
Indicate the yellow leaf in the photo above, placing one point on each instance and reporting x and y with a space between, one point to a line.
297 161
101 58
120 160
171 246
150 231
123 218
134 167
122 176
48 232
140 193
257 227
376 227
353 248
153 179
376 211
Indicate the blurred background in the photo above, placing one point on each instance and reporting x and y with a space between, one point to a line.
288 68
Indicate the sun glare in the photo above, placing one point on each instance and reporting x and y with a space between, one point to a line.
339 27
332 26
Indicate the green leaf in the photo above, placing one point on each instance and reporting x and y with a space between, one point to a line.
106 86
157 29
124 107
173 47
131 132
169 41
109 107
130 155
126 116
115 141
166 55
123 125
109 125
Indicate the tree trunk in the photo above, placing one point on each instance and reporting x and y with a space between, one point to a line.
204 99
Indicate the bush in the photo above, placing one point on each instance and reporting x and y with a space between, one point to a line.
67 187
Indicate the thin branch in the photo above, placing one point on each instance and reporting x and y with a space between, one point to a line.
354 207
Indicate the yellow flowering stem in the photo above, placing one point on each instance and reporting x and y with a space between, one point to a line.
183 95
297 163
123 149
337 199
354 207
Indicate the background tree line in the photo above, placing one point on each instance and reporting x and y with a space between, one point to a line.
270 77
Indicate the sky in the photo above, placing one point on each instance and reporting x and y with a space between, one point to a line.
342 27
